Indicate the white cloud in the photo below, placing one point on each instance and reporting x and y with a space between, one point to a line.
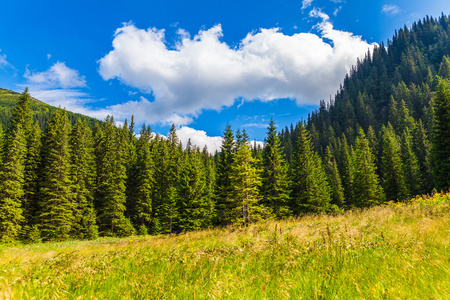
205 73
3 61
58 75
336 11
390 9
306 3
199 138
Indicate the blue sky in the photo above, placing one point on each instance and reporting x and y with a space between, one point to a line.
199 64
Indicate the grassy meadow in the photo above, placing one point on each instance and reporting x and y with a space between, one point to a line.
394 251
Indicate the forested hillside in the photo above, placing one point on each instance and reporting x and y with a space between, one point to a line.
386 136
41 112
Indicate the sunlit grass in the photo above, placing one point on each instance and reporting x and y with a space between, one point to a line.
395 251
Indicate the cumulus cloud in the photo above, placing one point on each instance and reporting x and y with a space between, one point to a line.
306 3
390 9
203 72
58 75
199 138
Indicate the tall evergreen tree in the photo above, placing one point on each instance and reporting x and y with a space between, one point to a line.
413 177
111 179
12 170
223 184
441 136
82 175
55 196
366 186
393 178
310 190
334 179
275 184
193 204
142 208
245 181
422 148
346 170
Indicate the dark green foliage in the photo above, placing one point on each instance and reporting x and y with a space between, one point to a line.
244 201
275 184
393 178
142 202
111 178
441 136
56 206
193 203
413 176
366 187
82 175
223 182
12 171
310 190
334 180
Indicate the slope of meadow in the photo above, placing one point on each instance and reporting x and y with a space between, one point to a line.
398 250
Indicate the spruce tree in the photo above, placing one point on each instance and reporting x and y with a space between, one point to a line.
309 186
366 186
142 210
441 136
193 204
12 170
111 179
422 147
334 179
346 170
223 184
55 196
275 184
82 175
245 207
32 163
413 177
393 178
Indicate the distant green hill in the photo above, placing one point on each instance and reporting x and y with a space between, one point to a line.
42 112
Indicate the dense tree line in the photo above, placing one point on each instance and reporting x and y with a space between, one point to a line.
369 146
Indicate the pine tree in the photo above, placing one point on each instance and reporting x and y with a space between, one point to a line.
366 187
422 149
142 210
310 190
111 179
82 175
441 136
334 179
275 184
223 184
444 68
193 205
393 178
245 181
346 170
12 170
55 195
32 163
413 177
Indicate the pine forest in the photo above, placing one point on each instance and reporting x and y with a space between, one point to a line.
384 137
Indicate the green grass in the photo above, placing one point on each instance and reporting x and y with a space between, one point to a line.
396 251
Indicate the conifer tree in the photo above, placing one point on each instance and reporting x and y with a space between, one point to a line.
193 205
275 184
444 68
346 170
393 178
32 163
441 136
413 177
223 184
245 181
422 149
142 210
366 186
55 195
82 175
111 179
310 189
12 170
334 179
